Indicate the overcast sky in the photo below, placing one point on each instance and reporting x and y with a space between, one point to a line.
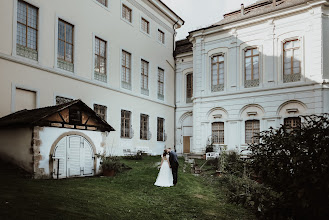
201 13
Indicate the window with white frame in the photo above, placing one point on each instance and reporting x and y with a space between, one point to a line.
144 76
218 132
27 30
61 100
251 67
217 73
126 13
125 124
160 130
65 46
160 84
144 127
145 25
291 61
100 60
100 111
252 129
126 70
103 2
161 36
189 87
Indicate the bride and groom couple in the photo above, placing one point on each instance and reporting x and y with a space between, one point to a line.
168 171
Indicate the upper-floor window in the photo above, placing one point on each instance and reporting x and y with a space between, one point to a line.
292 123
189 87
218 132
251 67
100 111
161 36
160 130
217 73
126 124
144 127
65 45
27 30
160 84
126 13
62 100
252 129
103 2
126 70
145 25
291 61
144 76
100 60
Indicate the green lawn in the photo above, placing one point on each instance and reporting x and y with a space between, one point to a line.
129 195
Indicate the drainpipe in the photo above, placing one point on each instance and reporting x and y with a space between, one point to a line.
174 42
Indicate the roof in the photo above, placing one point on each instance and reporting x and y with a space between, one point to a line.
36 117
168 11
183 46
171 10
256 9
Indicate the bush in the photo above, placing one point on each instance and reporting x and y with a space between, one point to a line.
137 156
113 163
296 164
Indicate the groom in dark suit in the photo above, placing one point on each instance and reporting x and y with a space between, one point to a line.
173 160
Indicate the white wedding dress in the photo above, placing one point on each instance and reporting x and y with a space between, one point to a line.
165 178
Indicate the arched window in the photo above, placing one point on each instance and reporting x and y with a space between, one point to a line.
252 129
189 87
217 73
218 132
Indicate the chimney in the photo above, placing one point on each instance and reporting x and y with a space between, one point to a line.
274 2
242 9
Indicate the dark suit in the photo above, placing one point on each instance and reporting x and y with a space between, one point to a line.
173 160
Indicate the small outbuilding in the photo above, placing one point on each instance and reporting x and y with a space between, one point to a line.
55 142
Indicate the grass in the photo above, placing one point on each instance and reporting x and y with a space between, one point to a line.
129 195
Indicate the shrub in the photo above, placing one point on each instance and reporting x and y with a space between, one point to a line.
113 163
296 164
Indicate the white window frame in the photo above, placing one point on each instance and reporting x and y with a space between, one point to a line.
94 35
132 12
131 69
75 31
140 75
157 37
23 87
164 84
39 39
140 25
103 6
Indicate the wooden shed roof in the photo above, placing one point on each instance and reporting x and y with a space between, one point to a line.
45 117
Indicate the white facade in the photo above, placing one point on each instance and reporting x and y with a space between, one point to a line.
36 81
272 100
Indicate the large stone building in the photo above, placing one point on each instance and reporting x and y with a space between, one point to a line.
114 55
259 67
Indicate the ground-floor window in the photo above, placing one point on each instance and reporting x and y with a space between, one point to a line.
292 123
144 120
160 130
218 132
252 129
100 111
125 124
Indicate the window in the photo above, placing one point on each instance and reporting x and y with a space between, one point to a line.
75 116
103 2
160 84
161 36
189 87
61 100
125 124
100 60
160 130
252 131
27 30
217 73
218 132
292 123
144 127
65 46
291 61
126 13
251 67
145 25
126 70
100 111
144 76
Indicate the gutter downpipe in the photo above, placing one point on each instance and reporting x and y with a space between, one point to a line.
174 42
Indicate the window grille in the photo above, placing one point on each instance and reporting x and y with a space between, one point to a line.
251 68
189 87
126 13
252 129
291 61
125 124
160 130
27 30
145 25
100 111
61 100
144 127
160 84
217 73
100 60
218 132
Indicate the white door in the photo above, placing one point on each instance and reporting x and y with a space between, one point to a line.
73 157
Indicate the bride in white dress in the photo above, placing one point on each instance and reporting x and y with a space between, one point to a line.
165 178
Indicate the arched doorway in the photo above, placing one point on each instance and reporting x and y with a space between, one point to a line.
73 156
